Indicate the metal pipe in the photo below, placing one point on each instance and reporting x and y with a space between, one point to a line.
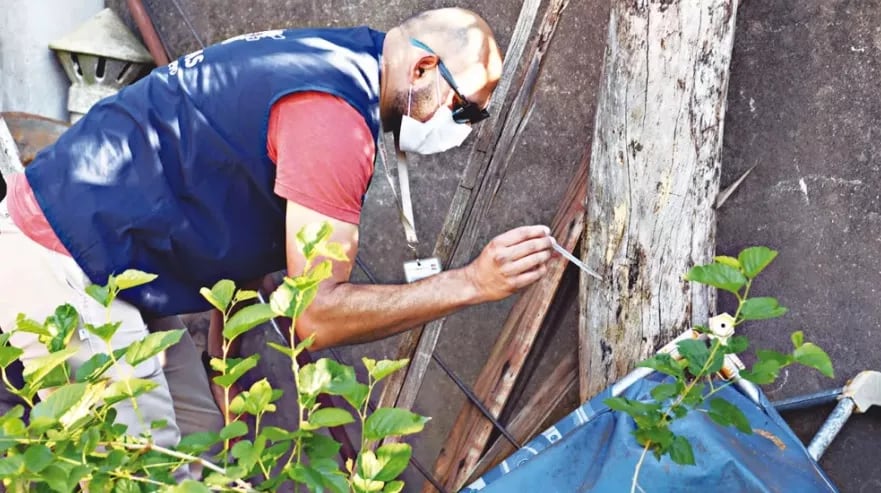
148 32
808 401
830 428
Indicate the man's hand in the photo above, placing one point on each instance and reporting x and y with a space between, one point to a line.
510 262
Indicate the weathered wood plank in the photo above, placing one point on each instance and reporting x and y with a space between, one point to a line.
654 176
457 216
503 152
471 430
531 418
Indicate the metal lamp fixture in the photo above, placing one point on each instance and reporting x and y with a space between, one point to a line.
100 57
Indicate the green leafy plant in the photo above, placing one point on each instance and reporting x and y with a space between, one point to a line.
693 385
71 441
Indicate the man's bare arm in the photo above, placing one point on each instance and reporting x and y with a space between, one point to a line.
344 313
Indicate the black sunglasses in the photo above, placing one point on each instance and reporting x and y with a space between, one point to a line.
464 111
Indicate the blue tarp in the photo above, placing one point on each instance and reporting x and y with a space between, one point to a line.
592 449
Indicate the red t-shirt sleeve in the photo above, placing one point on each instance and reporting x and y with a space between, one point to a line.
324 152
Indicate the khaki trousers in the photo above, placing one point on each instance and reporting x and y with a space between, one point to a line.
35 280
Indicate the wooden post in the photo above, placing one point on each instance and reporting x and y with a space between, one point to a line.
654 176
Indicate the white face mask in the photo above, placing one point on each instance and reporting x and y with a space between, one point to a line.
440 133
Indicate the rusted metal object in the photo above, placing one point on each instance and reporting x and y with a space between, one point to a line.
148 31
32 133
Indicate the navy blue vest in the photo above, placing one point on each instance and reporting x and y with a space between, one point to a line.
171 175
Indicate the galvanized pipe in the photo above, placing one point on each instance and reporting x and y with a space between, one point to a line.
807 401
830 428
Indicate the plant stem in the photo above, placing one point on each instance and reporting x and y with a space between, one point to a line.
295 370
13 390
634 483
180 455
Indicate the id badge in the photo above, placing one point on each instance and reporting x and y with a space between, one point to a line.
415 270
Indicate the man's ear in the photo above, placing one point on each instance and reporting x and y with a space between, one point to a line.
423 64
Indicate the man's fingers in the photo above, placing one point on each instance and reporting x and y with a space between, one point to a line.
521 234
526 263
527 278
529 247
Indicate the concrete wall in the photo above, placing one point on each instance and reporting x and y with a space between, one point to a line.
31 80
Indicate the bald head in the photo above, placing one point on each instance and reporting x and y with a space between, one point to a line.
411 76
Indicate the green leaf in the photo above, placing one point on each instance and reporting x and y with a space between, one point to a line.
308 476
725 413
39 368
24 324
368 465
310 235
736 345
386 422
680 451
717 275
755 259
236 369
362 485
37 457
393 487
11 466
8 355
781 359
798 338
694 396
198 443
328 417
665 391
153 344
393 459
220 294
381 369
663 363
189 486
643 412
132 278
334 479
332 251
127 389
259 397
247 453
60 402
809 354
660 436
62 324
104 332
321 447
101 294
729 261
94 368
246 319
696 354
234 430
761 308
283 300
245 295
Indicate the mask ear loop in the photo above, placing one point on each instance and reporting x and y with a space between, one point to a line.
409 98
440 102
